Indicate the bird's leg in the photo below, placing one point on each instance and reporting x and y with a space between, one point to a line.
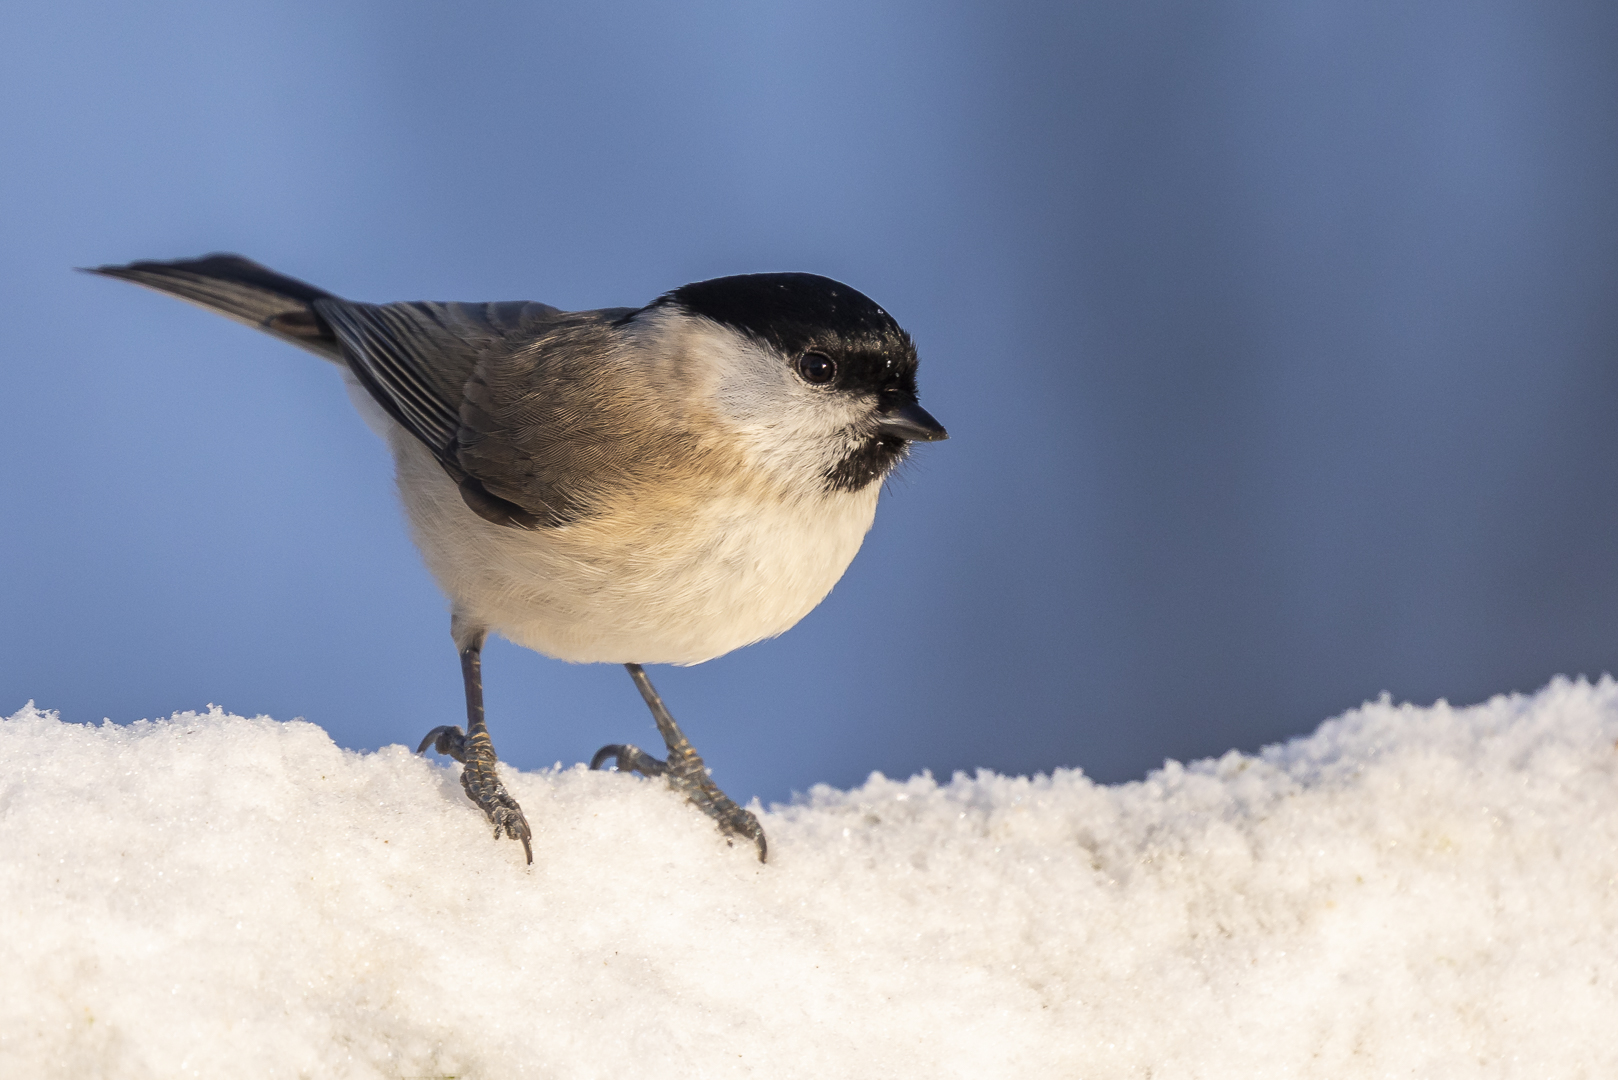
684 768
473 749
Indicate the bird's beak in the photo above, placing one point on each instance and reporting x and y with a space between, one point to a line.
910 421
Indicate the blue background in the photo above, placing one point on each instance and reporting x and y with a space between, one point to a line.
1277 343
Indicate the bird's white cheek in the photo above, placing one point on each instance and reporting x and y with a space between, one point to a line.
789 431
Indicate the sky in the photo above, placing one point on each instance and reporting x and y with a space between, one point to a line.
1276 342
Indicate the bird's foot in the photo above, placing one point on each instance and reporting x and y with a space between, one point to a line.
481 782
689 776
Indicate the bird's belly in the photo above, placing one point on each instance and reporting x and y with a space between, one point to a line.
660 581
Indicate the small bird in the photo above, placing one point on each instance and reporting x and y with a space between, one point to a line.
653 485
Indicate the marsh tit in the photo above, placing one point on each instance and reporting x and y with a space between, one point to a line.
653 485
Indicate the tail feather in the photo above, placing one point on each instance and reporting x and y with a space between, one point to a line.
243 290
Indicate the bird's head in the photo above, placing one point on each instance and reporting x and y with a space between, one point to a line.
816 379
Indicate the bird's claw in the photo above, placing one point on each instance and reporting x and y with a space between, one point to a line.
627 757
448 740
688 775
482 783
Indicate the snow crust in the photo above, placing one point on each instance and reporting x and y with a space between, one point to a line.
1415 891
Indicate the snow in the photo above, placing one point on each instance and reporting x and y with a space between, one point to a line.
1415 891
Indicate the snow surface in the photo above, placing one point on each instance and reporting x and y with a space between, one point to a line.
1424 892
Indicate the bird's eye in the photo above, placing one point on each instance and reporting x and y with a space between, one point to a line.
817 368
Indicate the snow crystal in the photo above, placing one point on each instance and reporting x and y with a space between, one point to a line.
1420 891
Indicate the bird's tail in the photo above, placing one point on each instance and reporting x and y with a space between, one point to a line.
241 289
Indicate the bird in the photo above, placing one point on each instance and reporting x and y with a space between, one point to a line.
651 485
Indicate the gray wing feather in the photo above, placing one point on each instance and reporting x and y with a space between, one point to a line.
543 426
408 362
517 454
416 358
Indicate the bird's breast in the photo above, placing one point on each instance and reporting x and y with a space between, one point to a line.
668 575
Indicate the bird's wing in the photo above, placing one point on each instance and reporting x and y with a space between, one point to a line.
474 382
416 358
556 427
